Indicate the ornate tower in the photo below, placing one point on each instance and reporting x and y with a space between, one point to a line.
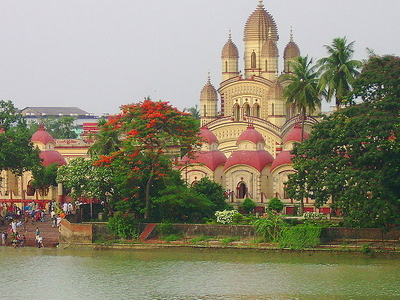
208 103
291 52
260 27
230 60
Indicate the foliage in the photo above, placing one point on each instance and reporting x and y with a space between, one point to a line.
148 132
81 178
124 227
268 227
248 205
300 237
203 238
338 71
313 216
178 203
228 240
225 216
44 176
58 127
165 228
172 237
353 159
17 153
213 191
276 204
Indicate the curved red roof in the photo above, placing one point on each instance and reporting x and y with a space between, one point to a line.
295 135
252 135
50 157
256 159
285 157
41 135
208 136
211 159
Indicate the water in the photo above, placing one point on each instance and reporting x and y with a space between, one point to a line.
194 274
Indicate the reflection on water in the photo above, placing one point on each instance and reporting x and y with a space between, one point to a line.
193 274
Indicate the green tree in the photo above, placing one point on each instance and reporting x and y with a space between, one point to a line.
248 205
44 177
213 191
353 156
82 178
17 153
59 128
302 90
107 141
338 71
276 205
151 132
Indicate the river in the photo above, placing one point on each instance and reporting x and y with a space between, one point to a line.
194 274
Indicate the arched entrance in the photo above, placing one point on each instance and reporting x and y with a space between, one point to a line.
241 190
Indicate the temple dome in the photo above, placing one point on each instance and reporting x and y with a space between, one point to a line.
49 157
208 92
291 50
207 136
230 50
42 136
252 135
283 158
270 49
257 159
295 135
211 159
259 25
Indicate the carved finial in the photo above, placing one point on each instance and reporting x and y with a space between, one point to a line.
291 34
209 77
260 4
230 34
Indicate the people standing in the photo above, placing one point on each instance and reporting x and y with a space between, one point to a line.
4 237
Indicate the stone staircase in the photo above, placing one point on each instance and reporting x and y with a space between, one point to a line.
50 235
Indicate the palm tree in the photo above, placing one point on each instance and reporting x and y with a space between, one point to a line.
338 71
302 90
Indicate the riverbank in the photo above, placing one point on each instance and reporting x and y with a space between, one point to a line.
239 245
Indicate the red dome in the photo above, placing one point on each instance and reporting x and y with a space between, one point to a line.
207 136
211 159
41 135
50 157
256 159
283 158
295 135
252 135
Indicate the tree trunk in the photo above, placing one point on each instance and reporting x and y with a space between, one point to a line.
147 197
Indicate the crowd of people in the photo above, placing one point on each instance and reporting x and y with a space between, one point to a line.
18 220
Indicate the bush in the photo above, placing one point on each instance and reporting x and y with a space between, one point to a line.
248 205
165 228
123 227
300 237
269 227
225 216
276 205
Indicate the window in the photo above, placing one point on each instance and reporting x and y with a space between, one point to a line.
253 60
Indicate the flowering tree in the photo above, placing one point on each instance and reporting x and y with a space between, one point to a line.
150 134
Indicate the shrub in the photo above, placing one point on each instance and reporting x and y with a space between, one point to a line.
300 237
225 216
269 227
276 205
199 239
165 228
123 227
172 237
248 205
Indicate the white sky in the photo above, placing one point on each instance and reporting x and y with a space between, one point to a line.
100 54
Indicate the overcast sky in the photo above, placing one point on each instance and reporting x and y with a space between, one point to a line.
100 54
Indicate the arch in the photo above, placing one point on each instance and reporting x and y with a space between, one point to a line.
253 60
246 110
256 110
241 190
236 112
30 190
